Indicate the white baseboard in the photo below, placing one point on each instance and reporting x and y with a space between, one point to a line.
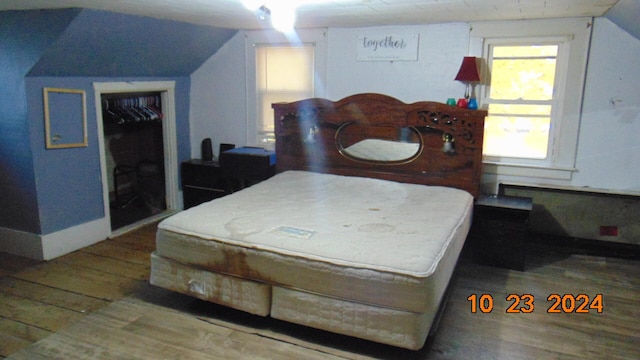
74 238
50 246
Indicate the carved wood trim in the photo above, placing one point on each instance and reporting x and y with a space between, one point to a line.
305 139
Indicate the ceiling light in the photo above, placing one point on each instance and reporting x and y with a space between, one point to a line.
264 12
281 14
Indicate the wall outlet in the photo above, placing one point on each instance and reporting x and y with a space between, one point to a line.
608 230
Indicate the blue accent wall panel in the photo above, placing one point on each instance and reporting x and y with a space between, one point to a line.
43 191
69 181
24 37
100 43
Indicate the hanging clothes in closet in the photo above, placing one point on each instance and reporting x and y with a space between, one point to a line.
135 109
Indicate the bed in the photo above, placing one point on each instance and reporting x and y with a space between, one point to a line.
359 231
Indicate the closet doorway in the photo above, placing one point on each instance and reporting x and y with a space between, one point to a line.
132 124
136 123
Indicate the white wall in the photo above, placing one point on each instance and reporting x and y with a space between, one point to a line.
608 134
218 88
440 53
218 98
609 142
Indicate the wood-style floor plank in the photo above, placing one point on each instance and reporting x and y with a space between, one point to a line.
108 264
60 346
51 295
16 335
142 239
95 283
115 250
96 303
43 316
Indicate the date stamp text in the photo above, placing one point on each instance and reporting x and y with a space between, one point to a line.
525 303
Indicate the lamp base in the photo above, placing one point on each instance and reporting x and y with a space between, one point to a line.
467 91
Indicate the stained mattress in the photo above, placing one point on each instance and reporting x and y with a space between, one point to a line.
365 240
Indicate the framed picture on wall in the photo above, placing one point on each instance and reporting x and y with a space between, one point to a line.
65 118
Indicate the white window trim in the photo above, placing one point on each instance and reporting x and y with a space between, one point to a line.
561 164
558 96
317 37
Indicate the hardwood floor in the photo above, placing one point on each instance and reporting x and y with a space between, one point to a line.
109 281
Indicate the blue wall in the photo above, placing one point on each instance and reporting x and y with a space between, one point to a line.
68 181
24 36
43 191
100 43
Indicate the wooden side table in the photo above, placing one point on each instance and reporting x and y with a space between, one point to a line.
500 231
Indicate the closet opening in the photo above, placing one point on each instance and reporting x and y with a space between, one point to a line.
134 156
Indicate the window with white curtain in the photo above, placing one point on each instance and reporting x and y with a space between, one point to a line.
284 73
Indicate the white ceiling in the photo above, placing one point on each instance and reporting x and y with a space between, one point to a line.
335 13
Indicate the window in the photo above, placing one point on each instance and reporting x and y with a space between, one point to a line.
280 68
283 74
521 100
533 80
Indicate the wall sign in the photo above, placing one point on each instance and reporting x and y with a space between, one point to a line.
388 47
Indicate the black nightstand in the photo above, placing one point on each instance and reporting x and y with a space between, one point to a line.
500 231
246 166
201 181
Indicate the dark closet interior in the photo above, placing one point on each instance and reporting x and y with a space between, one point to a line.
134 155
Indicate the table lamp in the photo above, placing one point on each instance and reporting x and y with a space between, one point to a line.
468 73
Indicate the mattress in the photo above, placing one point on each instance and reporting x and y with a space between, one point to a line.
242 294
388 326
369 241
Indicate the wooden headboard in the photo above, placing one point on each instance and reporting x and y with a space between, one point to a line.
315 135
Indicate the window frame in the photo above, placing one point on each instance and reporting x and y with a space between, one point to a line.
262 93
255 39
572 61
556 102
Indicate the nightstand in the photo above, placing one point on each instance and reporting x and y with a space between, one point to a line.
500 231
201 181
247 165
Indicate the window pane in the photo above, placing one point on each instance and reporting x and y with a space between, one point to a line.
502 109
520 101
525 51
527 79
265 112
284 74
267 140
512 136
285 68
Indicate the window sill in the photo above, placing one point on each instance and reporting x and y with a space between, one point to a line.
536 171
574 189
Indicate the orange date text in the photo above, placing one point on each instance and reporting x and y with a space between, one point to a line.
525 303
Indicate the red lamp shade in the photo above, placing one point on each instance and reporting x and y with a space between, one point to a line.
468 70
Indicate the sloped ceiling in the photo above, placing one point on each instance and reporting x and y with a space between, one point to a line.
109 44
334 13
101 43
626 14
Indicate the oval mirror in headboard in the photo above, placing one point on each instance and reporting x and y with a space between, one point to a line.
380 144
